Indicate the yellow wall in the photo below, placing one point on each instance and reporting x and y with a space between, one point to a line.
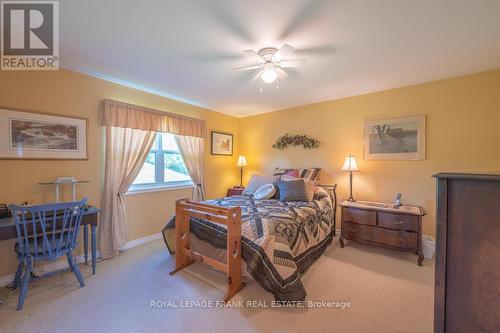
463 117
463 128
73 94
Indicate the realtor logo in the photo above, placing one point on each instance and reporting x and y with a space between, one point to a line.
30 35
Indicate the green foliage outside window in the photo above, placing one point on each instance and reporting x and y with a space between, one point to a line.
175 163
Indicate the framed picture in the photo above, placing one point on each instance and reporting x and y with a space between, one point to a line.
395 139
222 143
36 135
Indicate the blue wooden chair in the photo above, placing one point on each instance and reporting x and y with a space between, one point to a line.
45 233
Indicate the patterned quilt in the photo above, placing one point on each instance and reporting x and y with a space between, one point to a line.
280 240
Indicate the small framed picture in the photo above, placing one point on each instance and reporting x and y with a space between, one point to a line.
222 143
395 139
37 135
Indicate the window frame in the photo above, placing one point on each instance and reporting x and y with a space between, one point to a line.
160 184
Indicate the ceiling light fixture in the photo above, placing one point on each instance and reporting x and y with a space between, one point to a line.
269 75
271 63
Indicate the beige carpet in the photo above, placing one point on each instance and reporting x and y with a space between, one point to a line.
387 291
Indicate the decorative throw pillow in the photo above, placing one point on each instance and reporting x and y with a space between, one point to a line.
257 181
280 172
265 192
277 194
310 186
292 190
321 193
309 173
310 189
292 173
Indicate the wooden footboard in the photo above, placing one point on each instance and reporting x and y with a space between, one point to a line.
184 256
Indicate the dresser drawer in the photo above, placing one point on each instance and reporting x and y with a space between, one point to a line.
357 231
399 239
398 221
394 238
359 216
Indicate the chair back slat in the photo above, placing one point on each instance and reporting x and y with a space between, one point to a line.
25 246
34 228
48 231
42 215
62 237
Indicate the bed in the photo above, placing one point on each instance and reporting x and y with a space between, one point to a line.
279 240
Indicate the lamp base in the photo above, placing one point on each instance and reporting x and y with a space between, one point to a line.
351 198
241 177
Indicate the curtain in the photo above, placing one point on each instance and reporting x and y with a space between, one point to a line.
193 153
126 151
120 114
130 134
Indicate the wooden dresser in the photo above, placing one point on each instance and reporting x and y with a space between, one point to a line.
467 294
383 225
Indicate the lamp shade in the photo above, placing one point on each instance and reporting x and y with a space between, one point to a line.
350 164
242 161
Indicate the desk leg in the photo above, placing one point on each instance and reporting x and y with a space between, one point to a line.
85 244
93 236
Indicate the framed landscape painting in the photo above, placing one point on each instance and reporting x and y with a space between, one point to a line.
395 139
33 135
222 144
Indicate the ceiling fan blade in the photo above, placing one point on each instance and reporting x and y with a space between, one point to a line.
257 76
254 55
283 52
305 16
281 72
291 63
325 50
247 68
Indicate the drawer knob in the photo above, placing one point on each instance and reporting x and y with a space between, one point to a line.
399 222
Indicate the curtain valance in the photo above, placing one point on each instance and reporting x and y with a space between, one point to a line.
120 114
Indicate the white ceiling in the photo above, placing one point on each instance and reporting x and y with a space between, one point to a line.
186 49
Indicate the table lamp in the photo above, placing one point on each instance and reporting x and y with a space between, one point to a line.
350 164
242 162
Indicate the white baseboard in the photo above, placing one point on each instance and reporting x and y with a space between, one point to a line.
143 240
62 264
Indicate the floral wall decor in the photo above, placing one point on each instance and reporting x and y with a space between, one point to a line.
296 140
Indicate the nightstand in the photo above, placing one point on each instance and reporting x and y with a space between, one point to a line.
234 191
383 225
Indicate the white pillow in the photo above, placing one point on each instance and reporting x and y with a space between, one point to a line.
265 192
257 181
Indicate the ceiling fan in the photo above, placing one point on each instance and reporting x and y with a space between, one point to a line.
272 62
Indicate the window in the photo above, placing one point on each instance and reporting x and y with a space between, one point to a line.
164 166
